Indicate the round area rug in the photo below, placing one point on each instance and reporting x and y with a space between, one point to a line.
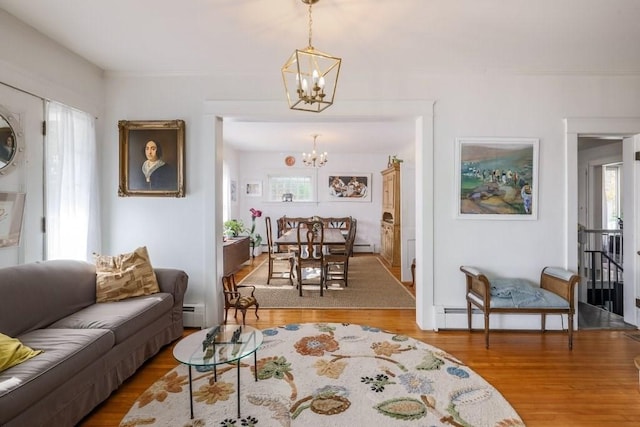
329 374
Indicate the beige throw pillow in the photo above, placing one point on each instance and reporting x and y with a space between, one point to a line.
124 276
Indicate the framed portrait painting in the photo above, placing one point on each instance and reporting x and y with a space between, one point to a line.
11 213
497 178
346 187
151 158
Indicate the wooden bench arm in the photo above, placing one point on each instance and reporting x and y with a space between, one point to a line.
561 282
477 284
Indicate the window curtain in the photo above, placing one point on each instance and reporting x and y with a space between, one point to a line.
71 184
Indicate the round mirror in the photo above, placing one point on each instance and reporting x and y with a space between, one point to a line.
8 145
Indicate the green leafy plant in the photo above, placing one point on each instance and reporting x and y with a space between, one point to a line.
233 228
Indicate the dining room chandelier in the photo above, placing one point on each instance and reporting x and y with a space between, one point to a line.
314 159
310 76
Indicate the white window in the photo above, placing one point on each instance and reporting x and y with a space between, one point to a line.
72 185
612 195
298 185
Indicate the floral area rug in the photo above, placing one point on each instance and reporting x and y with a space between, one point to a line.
329 374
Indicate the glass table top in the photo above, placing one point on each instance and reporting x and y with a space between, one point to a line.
220 344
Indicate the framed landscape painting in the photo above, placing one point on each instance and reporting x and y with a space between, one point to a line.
497 178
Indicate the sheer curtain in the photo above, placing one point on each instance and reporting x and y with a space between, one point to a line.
71 184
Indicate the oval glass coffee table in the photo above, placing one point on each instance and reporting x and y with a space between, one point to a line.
217 346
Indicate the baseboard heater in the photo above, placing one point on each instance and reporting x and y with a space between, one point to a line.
193 315
363 248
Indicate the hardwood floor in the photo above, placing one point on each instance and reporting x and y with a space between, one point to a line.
596 384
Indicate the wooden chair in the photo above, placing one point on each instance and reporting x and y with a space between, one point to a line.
351 234
280 263
285 224
233 298
336 263
310 251
343 223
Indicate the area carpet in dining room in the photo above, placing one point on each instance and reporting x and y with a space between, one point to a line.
371 285
329 374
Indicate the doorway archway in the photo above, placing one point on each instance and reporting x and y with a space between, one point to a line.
422 114
629 130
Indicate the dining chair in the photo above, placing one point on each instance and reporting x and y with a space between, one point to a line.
236 299
280 263
336 264
310 251
346 225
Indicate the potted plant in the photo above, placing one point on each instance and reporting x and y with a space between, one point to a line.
233 228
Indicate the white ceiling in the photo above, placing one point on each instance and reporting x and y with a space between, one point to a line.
206 37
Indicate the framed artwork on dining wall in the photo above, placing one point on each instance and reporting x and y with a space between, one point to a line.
346 187
233 190
253 189
151 158
497 178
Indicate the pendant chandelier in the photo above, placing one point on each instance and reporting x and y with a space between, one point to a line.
310 76
314 159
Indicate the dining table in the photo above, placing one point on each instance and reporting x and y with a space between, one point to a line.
332 236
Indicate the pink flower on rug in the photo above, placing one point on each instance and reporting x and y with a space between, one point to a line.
170 383
211 393
316 346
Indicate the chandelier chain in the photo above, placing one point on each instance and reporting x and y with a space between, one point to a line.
310 25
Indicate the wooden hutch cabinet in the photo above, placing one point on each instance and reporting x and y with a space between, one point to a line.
390 223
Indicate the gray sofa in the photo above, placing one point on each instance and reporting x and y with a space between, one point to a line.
89 349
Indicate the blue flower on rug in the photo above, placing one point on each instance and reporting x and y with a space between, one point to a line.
415 383
292 327
270 332
370 328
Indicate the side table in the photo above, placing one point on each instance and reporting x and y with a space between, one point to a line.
217 346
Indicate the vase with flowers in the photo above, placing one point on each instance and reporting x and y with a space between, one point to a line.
254 238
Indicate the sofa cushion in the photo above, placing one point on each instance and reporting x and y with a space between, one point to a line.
66 351
13 352
123 318
35 295
124 276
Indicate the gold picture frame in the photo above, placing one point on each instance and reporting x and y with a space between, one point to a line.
151 158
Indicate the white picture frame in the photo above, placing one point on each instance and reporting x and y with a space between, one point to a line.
11 215
496 178
253 189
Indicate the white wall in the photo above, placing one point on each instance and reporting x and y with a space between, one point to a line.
467 105
36 64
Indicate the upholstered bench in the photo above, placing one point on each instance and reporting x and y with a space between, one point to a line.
554 295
